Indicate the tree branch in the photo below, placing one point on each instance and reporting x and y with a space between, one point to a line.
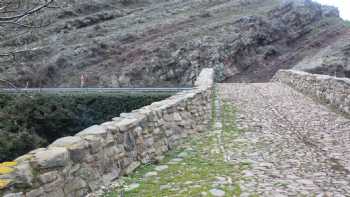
22 25
9 83
26 13
17 20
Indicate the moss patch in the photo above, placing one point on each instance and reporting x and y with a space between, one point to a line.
213 111
229 119
5 170
4 183
203 169
196 173
9 164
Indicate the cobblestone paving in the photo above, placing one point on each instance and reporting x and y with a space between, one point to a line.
265 140
295 146
196 168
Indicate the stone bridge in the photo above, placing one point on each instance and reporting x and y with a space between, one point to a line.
289 137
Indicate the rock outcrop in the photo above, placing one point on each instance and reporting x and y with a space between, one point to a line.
166 43
332 60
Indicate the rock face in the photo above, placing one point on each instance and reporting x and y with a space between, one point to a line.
74 166
166 43
332 60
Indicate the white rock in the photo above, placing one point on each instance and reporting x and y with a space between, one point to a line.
149 174
66 141
183 155
161 168
305 182
162 187
132 167
175 160
132 186
93 130
217 192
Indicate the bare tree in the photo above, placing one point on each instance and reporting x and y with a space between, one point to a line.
20 14
18 18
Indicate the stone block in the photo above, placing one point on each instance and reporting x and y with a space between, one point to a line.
74 184
66 141
57 193
24 158
23 174
20 194
177 117
48 177
52 157
76 146
111 126
129 141
35 193
94 130
113 175
132 167
126 124
54 186
95 143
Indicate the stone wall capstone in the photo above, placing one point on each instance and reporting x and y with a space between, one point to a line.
76 165
330 90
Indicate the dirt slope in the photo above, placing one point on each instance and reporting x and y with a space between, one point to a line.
166 43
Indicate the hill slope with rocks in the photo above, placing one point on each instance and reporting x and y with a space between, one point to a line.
143 43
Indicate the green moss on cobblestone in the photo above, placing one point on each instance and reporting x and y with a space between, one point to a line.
196 173
230 129
213 111
229 119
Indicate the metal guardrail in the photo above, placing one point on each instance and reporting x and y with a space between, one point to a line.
105 90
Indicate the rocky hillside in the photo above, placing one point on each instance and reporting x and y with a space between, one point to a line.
166 43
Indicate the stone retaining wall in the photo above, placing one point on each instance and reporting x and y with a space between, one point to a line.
328 89
76 165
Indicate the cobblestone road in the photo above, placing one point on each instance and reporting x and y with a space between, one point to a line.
265 140
295 147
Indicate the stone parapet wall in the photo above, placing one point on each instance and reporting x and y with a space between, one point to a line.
76 165
330 90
